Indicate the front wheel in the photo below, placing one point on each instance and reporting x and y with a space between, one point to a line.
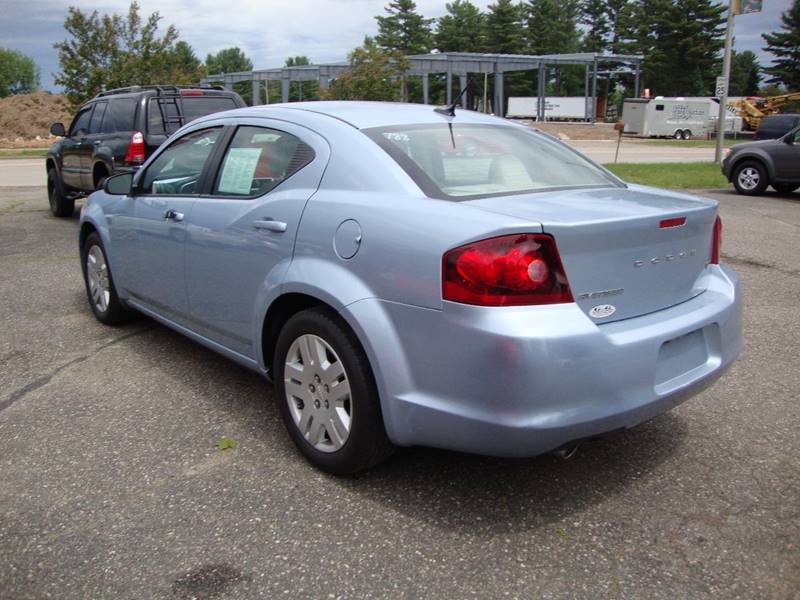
103 299
60 205
785 188
327 394
750 178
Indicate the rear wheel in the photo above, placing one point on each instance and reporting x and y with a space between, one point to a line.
678 135
750 178
687 134
785 188
103 300
327 394
60 205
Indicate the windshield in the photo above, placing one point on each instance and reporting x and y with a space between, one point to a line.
194 107
464 161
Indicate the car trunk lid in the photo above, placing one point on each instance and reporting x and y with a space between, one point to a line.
626 251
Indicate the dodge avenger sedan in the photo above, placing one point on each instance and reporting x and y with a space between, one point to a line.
407 276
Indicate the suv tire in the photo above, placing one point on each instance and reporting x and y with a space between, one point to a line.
359 439
60 205
750 178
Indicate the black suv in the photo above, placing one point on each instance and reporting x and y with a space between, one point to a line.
117 130
773 127
753 166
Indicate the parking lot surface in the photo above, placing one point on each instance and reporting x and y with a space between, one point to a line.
111 485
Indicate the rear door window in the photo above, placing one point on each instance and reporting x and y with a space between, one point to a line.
179 168
160 114
258 159
96 123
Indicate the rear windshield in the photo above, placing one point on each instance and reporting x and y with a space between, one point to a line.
194 107
462 161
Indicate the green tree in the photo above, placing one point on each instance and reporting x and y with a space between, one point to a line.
403 29
112 51
461 29
745 74
228 60
374 74
552 26
505 33
785 46
681 42
232 60
594 15
18 73
185 67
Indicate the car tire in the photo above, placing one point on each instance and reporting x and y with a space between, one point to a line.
785 188
750 178
100 182
100 290
678 135
687 134
60 205
339 432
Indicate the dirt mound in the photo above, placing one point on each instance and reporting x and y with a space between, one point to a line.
26 116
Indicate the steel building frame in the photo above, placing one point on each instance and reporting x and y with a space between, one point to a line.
452 64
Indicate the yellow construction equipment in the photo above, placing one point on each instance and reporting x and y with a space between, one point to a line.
753 109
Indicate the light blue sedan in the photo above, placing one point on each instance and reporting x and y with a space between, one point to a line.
406 277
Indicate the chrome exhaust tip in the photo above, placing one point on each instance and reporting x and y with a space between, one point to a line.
567 452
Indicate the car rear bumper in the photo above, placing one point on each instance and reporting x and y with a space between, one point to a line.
523 381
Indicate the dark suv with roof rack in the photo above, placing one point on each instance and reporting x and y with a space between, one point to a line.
117 130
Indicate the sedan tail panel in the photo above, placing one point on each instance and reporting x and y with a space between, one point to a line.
626 252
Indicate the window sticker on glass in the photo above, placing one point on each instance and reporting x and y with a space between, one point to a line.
238 171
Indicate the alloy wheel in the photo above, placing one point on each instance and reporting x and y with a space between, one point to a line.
97 276
749 178
318 393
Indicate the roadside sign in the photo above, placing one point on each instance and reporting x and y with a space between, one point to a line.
721 88
743 7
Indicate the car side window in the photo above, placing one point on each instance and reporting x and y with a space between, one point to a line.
81 121
96 122
258 159
178 169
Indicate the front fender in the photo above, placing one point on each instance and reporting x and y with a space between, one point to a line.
755 154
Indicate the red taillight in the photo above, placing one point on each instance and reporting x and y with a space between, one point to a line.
716 242
135 152
192 93
511 270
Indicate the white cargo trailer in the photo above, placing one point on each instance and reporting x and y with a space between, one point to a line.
570 107
680 118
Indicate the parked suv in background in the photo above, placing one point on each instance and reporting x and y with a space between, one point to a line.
776 126
117 130
755 165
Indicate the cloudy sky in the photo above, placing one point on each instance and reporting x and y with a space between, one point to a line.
267 30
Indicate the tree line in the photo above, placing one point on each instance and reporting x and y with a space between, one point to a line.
680 40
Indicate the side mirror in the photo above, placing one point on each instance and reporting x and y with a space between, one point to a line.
119 185
58 129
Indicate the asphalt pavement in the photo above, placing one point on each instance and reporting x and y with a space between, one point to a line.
111 485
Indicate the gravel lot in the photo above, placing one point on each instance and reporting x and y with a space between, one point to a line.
112 486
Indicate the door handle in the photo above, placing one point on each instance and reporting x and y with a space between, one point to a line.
270 225
173 215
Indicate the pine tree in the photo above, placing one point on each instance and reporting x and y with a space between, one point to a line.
553 26
681 42
594 15
403 29
461 29
745 74
785 45
505 33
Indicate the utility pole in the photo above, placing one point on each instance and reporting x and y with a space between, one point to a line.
726 74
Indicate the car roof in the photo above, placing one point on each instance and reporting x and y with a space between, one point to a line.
363 115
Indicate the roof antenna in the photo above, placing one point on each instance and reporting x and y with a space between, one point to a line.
450 110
